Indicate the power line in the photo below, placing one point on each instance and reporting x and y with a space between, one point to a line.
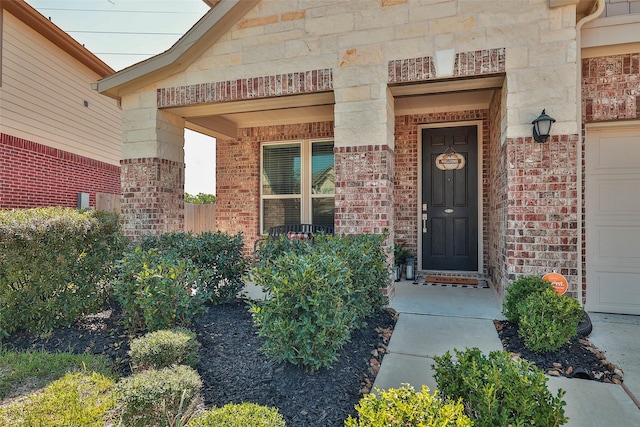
124 53
124 32
149 12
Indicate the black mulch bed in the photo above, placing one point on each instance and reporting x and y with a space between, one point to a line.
232 367
576 359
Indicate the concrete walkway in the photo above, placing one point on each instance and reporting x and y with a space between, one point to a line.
434 319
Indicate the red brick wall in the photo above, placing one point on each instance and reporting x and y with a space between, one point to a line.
308 81
498 201
364 194
610 87
407 166
364 189
152 196
542 217
238 174
35 175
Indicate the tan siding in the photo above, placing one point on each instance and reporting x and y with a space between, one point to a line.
43 96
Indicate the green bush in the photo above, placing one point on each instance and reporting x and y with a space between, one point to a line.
518 291
367 262
157 398
499 390
548 320
54 266
363 253
307 317
406 407
80 399
158 290
218 257
200 198
245 414
157 350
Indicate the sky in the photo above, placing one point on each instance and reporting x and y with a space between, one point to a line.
124 32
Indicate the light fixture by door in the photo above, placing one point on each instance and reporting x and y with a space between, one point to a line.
542 127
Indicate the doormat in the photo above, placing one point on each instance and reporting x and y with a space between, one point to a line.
463 282
447 280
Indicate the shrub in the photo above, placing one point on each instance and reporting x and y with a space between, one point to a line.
367 262
245 414
80 399
54 264
548 320
157 350
499 390
200 198
518 291
156 398
363 253
158 290
218 257
306 319
406 407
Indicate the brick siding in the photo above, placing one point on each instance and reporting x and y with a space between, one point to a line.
611 87
486 61
152 196
497 193
35 175
249 88
542 214
364 194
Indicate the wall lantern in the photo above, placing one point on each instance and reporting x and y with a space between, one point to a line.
450 160
542 127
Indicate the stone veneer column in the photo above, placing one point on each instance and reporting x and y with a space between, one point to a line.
364 158
152 171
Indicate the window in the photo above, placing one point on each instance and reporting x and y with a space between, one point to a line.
297 183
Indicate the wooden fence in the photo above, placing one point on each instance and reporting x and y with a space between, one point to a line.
197 218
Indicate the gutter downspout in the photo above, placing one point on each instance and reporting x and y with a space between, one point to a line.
599 7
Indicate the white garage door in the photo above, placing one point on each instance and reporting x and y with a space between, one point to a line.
613 220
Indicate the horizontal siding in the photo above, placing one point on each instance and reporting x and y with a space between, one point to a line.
43 94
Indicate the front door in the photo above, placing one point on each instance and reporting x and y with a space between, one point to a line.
449 217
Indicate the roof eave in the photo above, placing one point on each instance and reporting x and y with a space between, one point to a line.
187 49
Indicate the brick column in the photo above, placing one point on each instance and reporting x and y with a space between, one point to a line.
364 158
152 172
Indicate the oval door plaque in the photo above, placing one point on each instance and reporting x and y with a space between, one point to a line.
448 211
450 160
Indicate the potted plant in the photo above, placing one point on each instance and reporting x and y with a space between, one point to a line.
400 254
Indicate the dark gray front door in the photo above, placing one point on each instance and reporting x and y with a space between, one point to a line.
449 225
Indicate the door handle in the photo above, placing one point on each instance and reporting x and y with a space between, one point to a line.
424 222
